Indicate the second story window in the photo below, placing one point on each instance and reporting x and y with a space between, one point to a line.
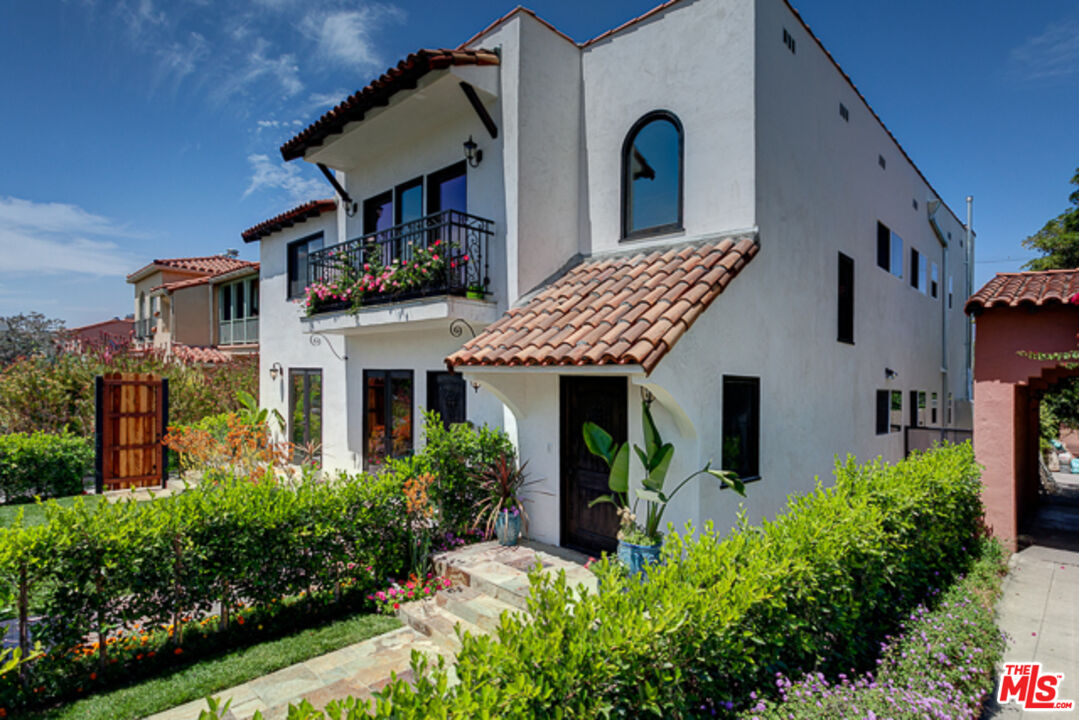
297 264
238 310
652 176
889 250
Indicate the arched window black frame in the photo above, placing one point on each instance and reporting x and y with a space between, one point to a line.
627 147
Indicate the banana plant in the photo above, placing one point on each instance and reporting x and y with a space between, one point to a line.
655 458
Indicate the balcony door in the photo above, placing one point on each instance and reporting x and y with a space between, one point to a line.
447 189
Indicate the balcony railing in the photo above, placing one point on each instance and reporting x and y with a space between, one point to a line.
142 328
459 240
238 331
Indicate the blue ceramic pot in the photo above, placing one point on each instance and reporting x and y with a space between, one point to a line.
508 528
637 558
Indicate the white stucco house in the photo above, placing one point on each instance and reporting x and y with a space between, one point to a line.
697 208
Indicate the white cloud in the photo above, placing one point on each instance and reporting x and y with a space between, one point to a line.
57 218
257 66
50 238
267 174
1053 53
346 36
139 14
180 59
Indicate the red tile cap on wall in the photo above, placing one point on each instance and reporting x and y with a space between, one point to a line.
1033 289
622 310
400 77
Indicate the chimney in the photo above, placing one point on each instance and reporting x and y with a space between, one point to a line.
232 253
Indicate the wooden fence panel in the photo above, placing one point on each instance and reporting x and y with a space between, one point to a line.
132 417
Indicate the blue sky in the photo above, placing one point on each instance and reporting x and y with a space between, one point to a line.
136 129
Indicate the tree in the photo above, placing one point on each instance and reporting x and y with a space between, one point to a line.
1058 240
26 335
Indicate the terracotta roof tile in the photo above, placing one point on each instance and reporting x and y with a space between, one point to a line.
626 310
298 214
203 279
208 265
201 355
400 77
1036 289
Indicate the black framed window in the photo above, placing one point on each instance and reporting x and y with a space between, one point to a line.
297 263
446 395
652 157
882 412
447 189
305 414
889 250
845 295
408 197
378 213
889 411
387 415
741 425
915 274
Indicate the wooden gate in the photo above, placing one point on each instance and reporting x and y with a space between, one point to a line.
132 416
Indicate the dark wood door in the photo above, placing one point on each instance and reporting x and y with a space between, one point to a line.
584 476
446 396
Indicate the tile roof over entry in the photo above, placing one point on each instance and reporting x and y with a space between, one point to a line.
401 77
623 310
1034 289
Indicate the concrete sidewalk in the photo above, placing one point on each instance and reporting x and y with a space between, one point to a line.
1039 610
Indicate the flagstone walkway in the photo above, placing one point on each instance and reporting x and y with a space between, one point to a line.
487 580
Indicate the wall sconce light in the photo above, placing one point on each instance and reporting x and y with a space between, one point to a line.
647 396
890 374
472 152
276 371
475 387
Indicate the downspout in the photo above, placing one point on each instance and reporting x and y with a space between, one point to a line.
210 289
970 291
931 207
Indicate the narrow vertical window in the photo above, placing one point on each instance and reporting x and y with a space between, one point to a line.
305 414
897 255
883 412
950 290
652 176
933 409
934 280
897 411
741 425
884 247
845 293
914 274
297 254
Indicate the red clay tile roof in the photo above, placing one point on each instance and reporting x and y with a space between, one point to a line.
289 218
201 355
203 279
378 93
209 265
626 310
1034 289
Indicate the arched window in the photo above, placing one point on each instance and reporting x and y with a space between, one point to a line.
652 176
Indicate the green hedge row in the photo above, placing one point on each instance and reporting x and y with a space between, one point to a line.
44 465
942 665
815 590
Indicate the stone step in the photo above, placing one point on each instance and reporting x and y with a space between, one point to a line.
475 607
430 619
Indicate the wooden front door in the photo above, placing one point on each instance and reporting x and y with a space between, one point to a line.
132 415
601 400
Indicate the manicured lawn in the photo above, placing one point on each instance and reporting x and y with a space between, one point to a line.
219 673
34 513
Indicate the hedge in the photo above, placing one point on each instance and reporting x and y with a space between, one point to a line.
815 590
43 465
942 665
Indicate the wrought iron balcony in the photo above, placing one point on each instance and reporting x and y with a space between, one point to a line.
444 253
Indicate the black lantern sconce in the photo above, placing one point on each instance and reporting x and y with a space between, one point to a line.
276 371
473 154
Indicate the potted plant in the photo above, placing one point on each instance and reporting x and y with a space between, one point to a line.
475 291
501 510
639 545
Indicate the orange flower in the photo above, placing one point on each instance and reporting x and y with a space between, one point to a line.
139 656
93 676
178 651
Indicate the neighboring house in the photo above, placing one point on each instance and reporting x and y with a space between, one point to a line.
111 334
203 309
602 196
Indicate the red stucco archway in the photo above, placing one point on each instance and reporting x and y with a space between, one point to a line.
1017 312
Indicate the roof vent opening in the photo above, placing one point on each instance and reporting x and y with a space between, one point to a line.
788 40
880 161
232 253
914 202
843 112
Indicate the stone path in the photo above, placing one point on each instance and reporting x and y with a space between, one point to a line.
1039 609
488 580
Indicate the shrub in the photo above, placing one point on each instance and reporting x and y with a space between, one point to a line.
941 665
43 464
814 590
454 455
